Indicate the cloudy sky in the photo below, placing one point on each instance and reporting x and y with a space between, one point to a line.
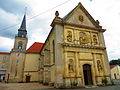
40 14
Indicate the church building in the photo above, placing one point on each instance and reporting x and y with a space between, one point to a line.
74 53
23 64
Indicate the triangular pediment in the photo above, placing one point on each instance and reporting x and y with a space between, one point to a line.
79 15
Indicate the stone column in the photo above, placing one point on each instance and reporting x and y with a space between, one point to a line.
66 72
106 67
95 66
66 66
79 82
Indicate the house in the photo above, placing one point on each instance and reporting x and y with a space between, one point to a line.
4 60
115 71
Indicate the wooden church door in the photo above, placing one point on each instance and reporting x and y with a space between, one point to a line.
87 74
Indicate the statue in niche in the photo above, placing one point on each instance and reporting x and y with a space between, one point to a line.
99 65
69 36
95 40
83 38
70 66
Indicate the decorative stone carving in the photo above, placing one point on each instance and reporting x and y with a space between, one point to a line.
69 36
99 65
56 13
95 41
81 18
71 66
83 38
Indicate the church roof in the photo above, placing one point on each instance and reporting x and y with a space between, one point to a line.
4 53
35 48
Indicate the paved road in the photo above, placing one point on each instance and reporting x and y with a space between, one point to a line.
21 86
37 86
96 88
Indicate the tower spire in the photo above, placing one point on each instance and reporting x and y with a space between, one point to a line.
22 32
23 24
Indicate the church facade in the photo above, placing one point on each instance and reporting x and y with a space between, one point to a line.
74 53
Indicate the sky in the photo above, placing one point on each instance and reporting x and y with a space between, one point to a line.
40 14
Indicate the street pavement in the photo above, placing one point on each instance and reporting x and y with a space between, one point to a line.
22 86
37 86
95 88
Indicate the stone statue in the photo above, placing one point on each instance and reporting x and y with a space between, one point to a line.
95 40
83 38
69 36
70 66
99 66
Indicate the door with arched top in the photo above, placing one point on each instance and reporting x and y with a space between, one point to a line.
87 74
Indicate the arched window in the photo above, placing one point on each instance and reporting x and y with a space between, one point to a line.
20 44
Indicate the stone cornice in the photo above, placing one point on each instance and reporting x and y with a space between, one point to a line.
72 77
83 26
18 50
57 20
79 26
102 75
83 46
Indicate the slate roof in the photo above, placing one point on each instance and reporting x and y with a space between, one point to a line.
35 48
23 25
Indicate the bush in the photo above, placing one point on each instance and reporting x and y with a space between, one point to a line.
112 82
104 81
45 83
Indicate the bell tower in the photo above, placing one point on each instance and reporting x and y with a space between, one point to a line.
17 57
21 38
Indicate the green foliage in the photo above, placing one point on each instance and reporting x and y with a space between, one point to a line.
45 83
115 62
112 82
104 81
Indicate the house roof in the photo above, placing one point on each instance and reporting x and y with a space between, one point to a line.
112 66
4 53
35 48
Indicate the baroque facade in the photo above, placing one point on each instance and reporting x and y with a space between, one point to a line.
74 53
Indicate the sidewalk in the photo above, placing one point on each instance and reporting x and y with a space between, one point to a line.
21 86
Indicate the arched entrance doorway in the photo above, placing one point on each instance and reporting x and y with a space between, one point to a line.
87 74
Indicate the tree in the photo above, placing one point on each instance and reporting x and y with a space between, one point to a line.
115 62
